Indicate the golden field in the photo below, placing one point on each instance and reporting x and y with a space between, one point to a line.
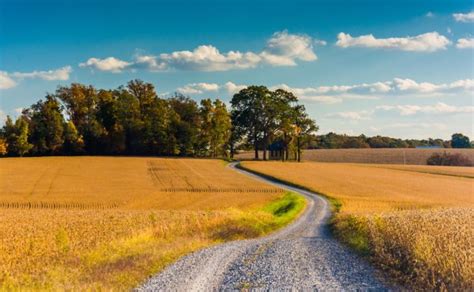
410 156
414 222
110 222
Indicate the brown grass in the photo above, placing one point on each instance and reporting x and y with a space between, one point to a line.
415 222
108 223
378 156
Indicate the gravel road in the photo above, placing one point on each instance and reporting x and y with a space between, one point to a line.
302 256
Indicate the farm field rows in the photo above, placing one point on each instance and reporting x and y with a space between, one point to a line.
414 224
109 222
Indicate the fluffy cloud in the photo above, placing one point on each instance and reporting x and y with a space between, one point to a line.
464 17
282 49
208 58
338 93
51 75
9 80
438 108
431 89
352 115
465 43
233 88
5 81
198 88
376 90
427 42
110 64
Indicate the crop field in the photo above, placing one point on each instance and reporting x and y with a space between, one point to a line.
110 222
414 221
410 156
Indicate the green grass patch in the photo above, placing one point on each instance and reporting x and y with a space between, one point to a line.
352 230
286 208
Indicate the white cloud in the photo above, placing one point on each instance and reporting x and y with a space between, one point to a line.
465 43
5 81
427 42
430 14
233 88
10 80
148 62
208 58
198 88
202 87
438 108
282 49
338 93
320 42
50 75
464 17
352 115
431 89
109 64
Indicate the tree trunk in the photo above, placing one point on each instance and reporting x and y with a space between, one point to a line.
255 143
299 149
265 146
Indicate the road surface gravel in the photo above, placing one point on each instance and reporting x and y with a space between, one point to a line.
301 256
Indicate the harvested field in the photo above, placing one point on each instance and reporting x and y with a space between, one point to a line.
109 222
402 156
415 222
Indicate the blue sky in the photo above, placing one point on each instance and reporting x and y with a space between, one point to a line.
398 68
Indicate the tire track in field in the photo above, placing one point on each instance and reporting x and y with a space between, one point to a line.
301 256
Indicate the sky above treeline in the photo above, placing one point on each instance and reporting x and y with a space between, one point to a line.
396 68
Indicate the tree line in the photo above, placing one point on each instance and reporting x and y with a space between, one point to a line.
133 120
336 141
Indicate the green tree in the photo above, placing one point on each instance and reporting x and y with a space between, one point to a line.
355 142
185 124
206 112
286 103
81 103
46 126
248 106
220 129
16 136
458 140
73 142
305 126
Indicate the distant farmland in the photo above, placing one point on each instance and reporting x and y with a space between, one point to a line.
373 155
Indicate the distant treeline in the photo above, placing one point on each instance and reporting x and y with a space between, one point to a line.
133 120
336 141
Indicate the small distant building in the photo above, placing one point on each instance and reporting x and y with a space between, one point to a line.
277 150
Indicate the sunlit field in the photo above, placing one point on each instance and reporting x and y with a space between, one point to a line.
414 222
110 222
411 156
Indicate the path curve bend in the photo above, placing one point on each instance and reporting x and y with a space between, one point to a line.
302 256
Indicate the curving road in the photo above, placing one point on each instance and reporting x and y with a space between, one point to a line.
302 256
